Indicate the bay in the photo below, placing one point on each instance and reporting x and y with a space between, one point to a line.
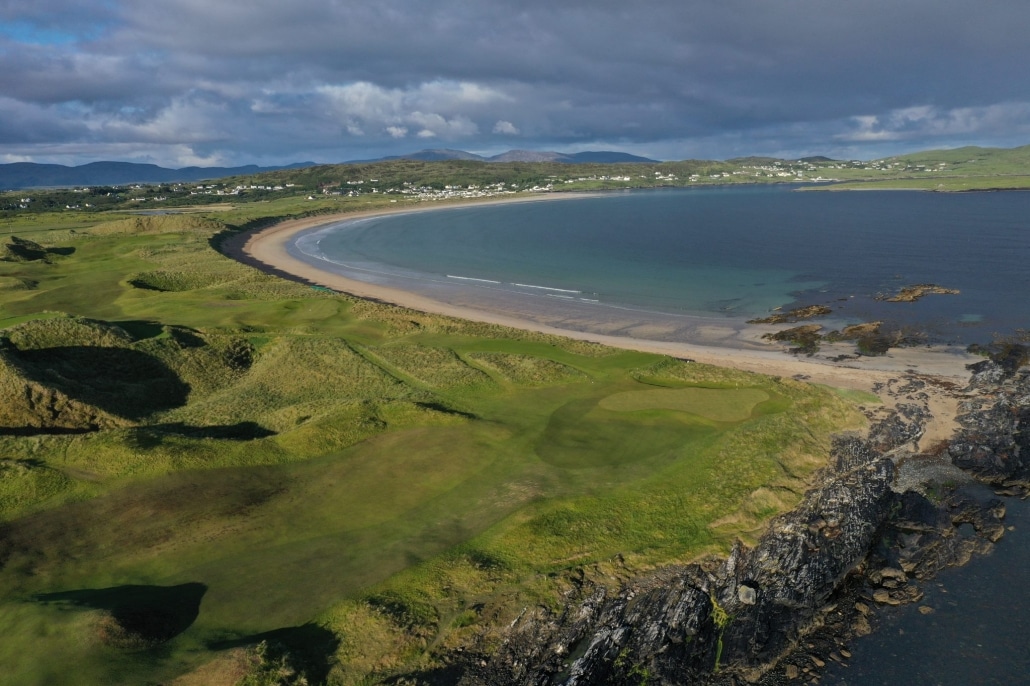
726 253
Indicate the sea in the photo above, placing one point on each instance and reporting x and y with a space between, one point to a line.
671 263
682 259
977 631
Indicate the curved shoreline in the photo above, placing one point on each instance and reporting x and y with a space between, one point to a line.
267 249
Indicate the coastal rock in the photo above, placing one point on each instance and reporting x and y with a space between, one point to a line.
779 611
898 429
795 315
747 595
679 625
806 337
909 294
994 441
856 331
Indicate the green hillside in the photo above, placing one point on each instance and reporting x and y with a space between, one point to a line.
209 475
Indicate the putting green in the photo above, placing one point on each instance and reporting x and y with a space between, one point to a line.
717 404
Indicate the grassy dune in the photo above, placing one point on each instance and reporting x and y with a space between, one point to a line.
210 475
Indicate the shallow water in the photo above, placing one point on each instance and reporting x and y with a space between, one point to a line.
726 254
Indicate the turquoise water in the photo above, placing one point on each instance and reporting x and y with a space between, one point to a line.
727 254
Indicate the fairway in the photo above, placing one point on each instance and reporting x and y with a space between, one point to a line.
717 404
347 482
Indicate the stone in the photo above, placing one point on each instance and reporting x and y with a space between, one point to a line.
883 597
861 626
747 595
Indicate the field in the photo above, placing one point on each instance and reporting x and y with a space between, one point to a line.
936 183
209 475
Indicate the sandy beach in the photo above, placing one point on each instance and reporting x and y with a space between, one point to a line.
267 249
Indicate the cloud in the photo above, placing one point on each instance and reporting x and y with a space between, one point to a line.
252 80
925 123
435 108
506 128
9 159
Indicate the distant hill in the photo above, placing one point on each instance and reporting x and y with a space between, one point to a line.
31 175
437 155
971 160
753 159
598 157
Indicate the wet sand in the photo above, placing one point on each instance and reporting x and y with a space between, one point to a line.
725 345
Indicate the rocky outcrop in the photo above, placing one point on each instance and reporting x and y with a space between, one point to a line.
795 315
781 610
685 624
909 294
994 441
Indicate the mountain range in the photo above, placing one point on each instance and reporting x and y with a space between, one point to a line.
31 175
596 157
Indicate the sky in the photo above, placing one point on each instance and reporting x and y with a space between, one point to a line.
232 82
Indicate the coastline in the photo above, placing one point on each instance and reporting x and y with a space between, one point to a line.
937 374
266 249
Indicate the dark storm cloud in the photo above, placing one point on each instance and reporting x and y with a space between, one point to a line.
255 80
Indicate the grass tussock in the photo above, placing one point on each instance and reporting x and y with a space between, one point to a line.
29 406
158 224
317 373
66 331
13 283
527 370
24 483
16 249
434 367
400 322
174 281
675 372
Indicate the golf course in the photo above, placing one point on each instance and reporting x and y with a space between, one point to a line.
213 475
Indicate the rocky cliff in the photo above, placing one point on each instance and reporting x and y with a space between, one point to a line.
777 612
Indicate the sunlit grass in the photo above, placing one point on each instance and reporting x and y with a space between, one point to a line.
405 479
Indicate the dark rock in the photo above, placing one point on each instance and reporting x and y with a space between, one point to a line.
994 442
679 625
808 584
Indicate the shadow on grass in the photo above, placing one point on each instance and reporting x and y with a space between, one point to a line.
153 435
444 409
140 329
23 250
137 617
307 649
123 382
439 676
44 430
